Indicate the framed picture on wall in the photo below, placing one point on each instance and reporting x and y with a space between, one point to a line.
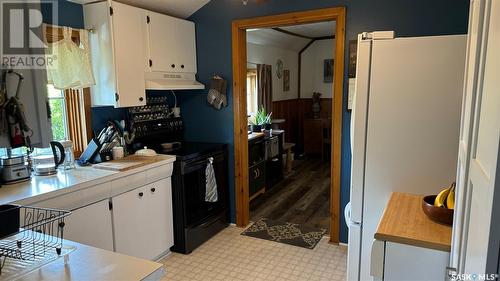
353 50
286 80
328 71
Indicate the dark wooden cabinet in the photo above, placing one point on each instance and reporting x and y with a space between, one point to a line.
274 160
265 162
317 135
257 178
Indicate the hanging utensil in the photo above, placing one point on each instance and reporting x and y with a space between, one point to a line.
14 115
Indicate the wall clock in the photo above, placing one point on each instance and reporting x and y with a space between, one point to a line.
279 69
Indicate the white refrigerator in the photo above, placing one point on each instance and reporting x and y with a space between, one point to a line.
404 128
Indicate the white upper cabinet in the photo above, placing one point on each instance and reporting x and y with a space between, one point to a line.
130 45
129 26
172 44
118 53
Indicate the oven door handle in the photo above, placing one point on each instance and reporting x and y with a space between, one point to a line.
200 164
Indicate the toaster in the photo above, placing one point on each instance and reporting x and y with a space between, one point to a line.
14 169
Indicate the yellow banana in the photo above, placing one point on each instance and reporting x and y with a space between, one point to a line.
450 199
440 200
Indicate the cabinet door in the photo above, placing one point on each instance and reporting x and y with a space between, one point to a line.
185 39
405 262
91 225
160 212
172 44
129 24
130 223
143 220
162 42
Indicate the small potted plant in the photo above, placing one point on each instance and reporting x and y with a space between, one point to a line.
268 121
258 121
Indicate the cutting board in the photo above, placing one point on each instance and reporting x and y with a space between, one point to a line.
118 166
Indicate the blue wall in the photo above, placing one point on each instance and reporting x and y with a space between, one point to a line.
213 34
69 14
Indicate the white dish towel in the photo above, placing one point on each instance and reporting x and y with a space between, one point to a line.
211 183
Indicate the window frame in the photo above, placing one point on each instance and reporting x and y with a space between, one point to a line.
64 109
78 120
252 96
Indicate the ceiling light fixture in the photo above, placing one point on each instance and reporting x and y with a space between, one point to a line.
244 2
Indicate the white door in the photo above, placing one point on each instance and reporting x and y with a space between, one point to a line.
484 144
163 49
128 43
476 19
91 225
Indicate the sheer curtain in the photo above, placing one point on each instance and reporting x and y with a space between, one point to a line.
71 72
68 64
264 87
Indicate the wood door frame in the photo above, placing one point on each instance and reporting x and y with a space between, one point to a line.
239 57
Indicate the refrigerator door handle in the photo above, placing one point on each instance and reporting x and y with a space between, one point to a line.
347 214
377 260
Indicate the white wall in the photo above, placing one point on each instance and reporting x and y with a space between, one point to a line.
264 54
311 79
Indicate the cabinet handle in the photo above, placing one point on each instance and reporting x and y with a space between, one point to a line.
141 194
182 66
173 65
153 189
141 98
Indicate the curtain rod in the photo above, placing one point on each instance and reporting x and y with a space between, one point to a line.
90 30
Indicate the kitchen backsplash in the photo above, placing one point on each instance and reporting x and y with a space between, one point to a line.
102 114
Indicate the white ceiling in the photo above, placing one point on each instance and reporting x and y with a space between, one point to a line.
176 8
271 37
319 29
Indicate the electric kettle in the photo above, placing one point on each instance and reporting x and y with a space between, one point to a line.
47 169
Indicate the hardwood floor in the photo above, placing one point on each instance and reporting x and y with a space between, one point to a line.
302 197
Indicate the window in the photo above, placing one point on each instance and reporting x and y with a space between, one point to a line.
251 91
59 119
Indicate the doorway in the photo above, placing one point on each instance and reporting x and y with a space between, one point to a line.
290 87
239 41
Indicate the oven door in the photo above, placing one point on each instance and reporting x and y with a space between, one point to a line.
194 182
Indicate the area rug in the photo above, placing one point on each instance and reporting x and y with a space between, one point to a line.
285 232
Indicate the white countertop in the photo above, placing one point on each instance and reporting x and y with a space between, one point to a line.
43 187
89 263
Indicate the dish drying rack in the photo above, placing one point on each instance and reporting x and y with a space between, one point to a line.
37 241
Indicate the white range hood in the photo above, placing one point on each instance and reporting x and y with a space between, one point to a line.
172 81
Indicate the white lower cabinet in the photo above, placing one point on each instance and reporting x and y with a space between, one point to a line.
91 225
143 220
399 262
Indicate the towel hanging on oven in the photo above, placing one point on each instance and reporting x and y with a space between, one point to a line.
211 184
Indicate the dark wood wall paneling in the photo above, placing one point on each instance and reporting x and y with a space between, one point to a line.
294 111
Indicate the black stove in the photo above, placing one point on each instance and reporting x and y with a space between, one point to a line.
190 150
195 219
